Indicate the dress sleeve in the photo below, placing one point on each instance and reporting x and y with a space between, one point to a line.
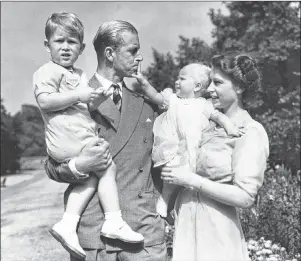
168 97
46 80
208 109
249 159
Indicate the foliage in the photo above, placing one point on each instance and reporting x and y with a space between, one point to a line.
191 51
169 232
10 151
276 215
264 250
163 71
29 128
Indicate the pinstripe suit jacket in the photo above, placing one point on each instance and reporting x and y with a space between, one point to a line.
130 136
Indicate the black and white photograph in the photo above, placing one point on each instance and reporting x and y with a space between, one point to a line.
150 131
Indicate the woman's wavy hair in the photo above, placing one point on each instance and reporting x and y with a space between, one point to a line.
242 69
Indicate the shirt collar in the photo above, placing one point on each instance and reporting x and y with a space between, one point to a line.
107 83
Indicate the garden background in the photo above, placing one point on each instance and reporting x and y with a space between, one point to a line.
270 32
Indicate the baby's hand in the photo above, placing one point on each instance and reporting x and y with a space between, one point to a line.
235 131
139 77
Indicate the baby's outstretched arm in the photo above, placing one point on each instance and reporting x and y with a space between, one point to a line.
155 96
58 101
224 121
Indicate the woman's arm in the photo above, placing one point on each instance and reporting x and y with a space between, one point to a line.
224 193
248 164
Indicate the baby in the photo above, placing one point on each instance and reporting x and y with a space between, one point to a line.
62 93
177 132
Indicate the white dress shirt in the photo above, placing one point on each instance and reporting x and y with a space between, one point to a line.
107 84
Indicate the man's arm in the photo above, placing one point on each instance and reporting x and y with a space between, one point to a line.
94 156
59 172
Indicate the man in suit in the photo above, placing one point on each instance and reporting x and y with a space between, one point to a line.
126 121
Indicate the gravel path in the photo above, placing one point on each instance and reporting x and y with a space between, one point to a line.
28 209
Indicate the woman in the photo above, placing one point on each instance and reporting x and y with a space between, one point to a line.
229 171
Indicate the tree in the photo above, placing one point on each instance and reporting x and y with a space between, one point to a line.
270 31
162 71
10 151
29 127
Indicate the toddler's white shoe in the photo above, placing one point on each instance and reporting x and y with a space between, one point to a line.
68 238
122 231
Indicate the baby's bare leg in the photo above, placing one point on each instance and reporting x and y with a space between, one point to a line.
163 200
168 190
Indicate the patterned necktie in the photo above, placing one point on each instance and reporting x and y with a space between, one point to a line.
116 95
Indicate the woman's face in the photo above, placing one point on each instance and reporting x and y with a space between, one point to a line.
222 90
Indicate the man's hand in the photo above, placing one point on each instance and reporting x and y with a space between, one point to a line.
95 156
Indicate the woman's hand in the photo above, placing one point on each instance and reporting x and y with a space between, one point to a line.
94 156
181 176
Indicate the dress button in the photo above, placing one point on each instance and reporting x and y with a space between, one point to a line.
145 140
141 169
139 195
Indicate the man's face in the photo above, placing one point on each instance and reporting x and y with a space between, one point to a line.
127 55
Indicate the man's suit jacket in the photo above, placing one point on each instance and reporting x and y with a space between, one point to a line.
130 136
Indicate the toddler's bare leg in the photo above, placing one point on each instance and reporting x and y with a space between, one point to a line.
65 230
107 189
163 200
81 195
114 226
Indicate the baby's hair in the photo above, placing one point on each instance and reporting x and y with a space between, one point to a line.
68 21
201 74
240 68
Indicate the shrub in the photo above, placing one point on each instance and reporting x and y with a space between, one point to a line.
277 212
264 250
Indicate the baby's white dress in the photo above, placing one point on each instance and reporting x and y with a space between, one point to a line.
177 132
